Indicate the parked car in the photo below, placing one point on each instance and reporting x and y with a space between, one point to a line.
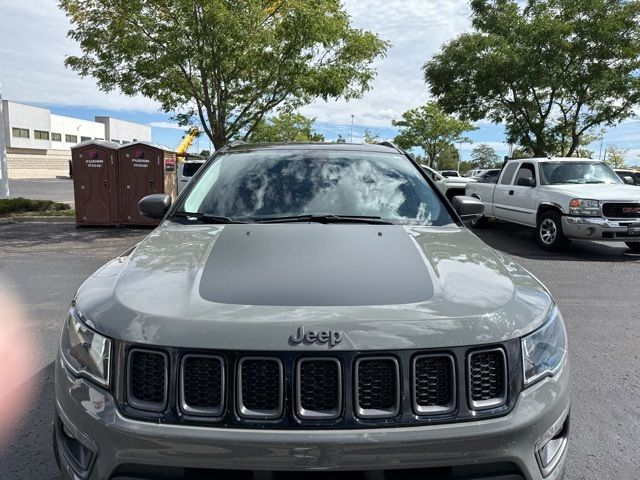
629 173
186 170
308 308
449 173
488 176
473 173
450 186
564 199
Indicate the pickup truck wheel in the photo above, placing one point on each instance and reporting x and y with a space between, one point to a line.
634 246
549 232
481 222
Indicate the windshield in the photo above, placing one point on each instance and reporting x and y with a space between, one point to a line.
263 185
562 173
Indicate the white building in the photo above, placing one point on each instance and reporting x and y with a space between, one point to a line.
36 139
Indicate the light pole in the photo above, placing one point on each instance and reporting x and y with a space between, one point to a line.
459 155
4 170
351 129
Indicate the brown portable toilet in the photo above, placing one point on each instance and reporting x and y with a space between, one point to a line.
143 169
95 182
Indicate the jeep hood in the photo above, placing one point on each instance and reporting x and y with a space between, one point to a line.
249 287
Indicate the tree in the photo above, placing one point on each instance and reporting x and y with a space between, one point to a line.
430 129
551 70
205 154
485 156
341 139
286 127
228 63
448 158
615 157
371 137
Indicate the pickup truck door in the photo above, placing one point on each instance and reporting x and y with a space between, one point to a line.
523 199
501 198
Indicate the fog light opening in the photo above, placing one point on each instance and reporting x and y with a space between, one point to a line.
79 456
551 450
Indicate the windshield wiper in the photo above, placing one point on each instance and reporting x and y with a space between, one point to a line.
325 219
206 218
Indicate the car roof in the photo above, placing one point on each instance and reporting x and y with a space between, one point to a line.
353 147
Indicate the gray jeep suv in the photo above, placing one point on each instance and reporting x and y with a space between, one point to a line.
312 308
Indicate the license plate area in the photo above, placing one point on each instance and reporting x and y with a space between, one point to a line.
633 230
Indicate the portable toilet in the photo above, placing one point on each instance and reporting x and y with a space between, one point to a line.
143 169
95 182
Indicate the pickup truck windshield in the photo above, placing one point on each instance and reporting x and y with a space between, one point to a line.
265 185
563 173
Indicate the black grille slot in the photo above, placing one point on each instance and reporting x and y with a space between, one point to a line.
621 210
260 390
319 388
434 384
378 393
147 380
487 378
202 386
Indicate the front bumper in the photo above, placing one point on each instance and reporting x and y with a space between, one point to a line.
599 228
90 414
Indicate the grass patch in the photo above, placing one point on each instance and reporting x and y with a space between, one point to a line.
25 206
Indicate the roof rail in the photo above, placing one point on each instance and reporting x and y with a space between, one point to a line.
387 143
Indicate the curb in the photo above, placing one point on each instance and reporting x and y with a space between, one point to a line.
43 219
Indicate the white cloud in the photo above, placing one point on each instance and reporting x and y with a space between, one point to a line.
173 126
33 46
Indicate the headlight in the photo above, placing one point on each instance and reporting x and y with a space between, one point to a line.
85 352
544 351
581 206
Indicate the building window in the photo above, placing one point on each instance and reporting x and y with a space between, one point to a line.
99 138
71 138
115 141
56 137
124 142
40 135
84 139
20 132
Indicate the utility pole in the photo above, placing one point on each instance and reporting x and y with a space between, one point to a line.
351 129
4 170
459 156
600 154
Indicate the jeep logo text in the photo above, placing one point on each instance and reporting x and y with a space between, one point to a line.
333 337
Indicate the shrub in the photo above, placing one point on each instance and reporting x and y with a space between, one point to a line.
9 206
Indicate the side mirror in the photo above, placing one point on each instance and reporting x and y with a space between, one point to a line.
526 182
628 180
469 208
154 206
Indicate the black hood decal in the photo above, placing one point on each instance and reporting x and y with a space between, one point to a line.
315 265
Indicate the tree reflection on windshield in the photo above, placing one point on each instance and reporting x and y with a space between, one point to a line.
275 183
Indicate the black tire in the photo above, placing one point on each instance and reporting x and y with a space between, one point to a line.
549 232
634 246
481 222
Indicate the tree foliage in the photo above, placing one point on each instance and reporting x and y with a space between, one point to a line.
371 136
485 156
448 158
551 70
615 157
286 127
228 63
430 129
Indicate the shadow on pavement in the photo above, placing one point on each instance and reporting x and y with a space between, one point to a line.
520 241
30 454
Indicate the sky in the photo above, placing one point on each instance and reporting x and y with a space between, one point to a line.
34 44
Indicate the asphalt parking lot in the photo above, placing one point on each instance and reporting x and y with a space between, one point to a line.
57 189
595 285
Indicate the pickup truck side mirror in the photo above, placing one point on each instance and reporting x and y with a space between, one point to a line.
526 182
154 206
469 208
628 180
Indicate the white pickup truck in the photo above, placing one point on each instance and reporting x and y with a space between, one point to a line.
564 199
